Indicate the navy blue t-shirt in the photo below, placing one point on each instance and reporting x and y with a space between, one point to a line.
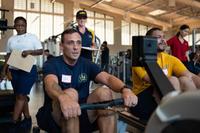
77 76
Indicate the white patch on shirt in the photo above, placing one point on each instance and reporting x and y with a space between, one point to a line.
165 71
66 78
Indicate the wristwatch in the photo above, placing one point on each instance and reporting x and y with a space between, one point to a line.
122 88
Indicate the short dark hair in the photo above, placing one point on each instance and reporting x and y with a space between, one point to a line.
150 32
68 31
46 50
20 18
105 42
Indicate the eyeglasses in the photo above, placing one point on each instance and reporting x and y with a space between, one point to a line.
71 42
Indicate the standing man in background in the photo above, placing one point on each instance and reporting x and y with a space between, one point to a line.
88 37
104 56
47 54
22 81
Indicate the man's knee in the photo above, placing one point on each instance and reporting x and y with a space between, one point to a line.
98 95
58 117
175 82
186 83
103 94
56 112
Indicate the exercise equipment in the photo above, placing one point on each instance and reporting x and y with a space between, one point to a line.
145 54
124 66
94 106
102 105
4 22
113 106
177 112
123 115
7 101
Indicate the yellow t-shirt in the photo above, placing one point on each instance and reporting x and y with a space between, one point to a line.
168 63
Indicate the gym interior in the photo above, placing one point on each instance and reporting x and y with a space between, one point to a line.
116 22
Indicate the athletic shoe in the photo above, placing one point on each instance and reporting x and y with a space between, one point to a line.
26 124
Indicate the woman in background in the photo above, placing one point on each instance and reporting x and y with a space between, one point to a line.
179 46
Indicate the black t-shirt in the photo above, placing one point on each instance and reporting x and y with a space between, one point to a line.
105 55
49 56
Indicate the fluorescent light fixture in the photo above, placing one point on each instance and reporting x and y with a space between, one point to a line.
3 53
157 12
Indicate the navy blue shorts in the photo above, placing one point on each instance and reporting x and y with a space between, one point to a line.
46 122
85 125
22 81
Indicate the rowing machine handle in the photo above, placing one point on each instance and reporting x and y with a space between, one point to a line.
102 105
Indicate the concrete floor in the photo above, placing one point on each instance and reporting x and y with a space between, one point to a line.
36 101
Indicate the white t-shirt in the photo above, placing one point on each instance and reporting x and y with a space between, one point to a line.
23 42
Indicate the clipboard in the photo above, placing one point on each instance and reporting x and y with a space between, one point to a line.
91 49
23 63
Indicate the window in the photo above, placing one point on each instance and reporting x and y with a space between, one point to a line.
109 31
134 31
189 39
58 24
90 23
125 33
131 29
46 6
98 15
33 5
90 14
58 8
142 30
33 23
197 39
19 4
44 23
99 29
